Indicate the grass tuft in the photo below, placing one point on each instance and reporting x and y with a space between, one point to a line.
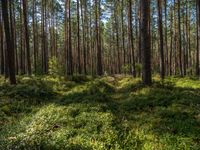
101 113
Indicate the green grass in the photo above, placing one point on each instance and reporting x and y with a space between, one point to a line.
100 113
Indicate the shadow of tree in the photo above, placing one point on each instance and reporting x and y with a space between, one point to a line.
167 121
173 109
174 112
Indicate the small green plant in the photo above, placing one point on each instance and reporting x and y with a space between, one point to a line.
138 68
55 69
102 113
126 68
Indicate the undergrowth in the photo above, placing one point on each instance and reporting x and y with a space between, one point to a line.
99 113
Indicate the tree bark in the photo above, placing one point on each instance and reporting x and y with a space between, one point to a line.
2 44
98 39
198 37
160 30
78 38
9 42
145 42
130 37
27 37
180 39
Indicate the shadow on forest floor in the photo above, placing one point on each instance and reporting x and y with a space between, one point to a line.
104 113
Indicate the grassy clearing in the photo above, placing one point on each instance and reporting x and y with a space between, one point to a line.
101 113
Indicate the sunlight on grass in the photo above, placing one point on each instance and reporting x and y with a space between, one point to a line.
102 113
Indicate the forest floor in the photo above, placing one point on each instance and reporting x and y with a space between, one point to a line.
100 113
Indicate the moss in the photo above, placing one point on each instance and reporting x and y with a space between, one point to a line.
101 113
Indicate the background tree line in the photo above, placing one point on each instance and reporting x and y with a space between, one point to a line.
97 37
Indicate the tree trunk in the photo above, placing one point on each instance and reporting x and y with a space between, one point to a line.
27 37
130 37
9 42
145 42
2 43
98 39
171 41
160 30
70 58
122 26
180 40
166 40
78 39
34 37
198 37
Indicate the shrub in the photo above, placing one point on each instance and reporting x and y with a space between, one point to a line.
126 68
55 69
138 68
99 85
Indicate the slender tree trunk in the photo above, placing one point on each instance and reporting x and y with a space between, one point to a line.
78 39
130 36
117 39
45 37
123 38
160 30
15 38
145 42
98 39
189 43
27 37
140 32
22 56
84 27
166 40
180 39
2 43
70 58
66 37
34 38
42 35
187 37
198 37
171 41
9 42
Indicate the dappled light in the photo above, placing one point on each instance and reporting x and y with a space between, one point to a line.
100 75
101 113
